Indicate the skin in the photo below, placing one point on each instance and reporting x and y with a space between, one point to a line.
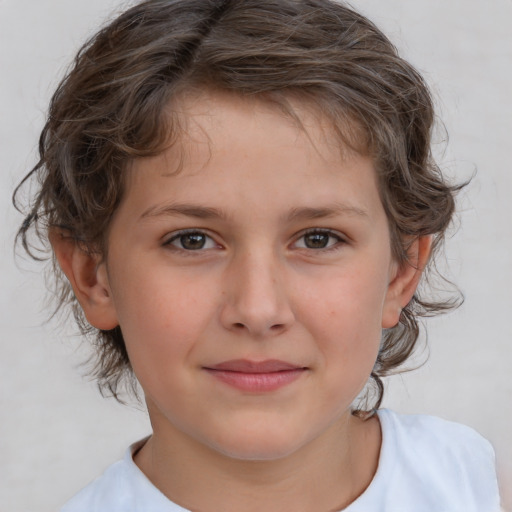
251 187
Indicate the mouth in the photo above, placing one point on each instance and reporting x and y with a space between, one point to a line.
256 376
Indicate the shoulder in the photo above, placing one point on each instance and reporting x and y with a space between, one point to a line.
107 492
121 488
422 431
449 465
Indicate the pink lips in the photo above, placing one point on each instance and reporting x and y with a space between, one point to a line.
256 376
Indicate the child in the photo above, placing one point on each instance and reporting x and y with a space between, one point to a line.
242 197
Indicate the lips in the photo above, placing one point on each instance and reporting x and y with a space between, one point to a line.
245 366
256 376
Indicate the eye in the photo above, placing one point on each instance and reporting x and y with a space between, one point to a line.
191 241
318 239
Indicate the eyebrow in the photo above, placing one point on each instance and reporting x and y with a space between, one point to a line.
296 214
307 213
187 210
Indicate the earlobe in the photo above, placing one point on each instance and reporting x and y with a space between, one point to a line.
88 277
405 281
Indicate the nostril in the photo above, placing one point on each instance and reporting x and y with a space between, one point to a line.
275 327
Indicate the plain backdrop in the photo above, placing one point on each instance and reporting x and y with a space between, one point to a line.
57 433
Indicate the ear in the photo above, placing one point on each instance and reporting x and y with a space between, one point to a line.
405 280
87 274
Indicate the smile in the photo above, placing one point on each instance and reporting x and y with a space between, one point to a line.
252 376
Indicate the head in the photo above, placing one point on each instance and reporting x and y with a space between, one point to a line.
126 99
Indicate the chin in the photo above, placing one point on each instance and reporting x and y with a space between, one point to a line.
257 453
258 446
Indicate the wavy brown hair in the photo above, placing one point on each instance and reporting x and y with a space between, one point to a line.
113 106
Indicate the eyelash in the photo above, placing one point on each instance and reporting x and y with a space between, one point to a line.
339 240
185 232
325 232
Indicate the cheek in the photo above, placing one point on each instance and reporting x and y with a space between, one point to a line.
162 317
350 301
345 317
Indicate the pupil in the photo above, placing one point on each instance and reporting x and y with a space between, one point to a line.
317 240
193 241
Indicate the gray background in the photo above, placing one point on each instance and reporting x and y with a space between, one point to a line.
57 433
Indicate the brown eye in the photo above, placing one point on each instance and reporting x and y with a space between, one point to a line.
191 241
319 239
316 240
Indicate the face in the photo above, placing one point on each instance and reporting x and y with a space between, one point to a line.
252 284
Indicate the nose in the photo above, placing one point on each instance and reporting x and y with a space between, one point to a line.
256 300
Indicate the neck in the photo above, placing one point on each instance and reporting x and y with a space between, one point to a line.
328 473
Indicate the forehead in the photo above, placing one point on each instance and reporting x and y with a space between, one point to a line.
199 118
227 142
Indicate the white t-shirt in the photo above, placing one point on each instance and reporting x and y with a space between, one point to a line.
426 464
